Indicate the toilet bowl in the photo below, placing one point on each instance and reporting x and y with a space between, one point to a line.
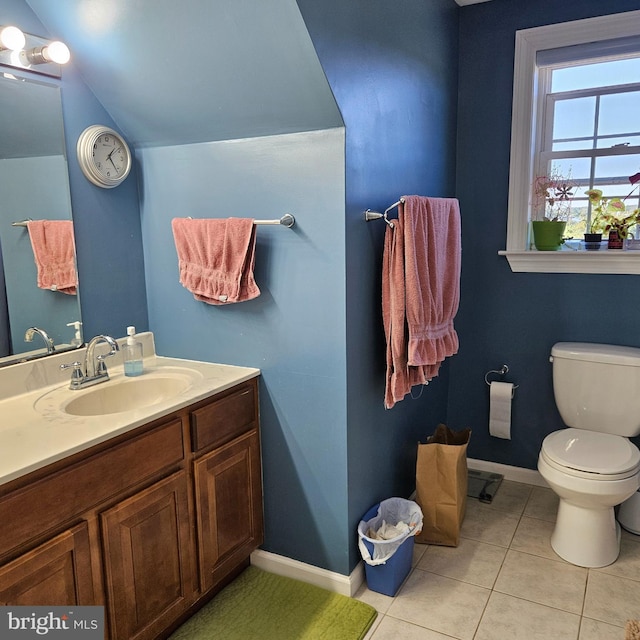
592 465
591 473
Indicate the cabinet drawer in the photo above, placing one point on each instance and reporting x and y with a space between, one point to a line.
66 494
226 418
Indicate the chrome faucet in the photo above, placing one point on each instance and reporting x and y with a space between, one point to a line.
94 369
31 331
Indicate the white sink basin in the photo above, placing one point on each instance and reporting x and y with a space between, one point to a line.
122 393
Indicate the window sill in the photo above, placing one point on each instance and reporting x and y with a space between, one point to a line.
603 261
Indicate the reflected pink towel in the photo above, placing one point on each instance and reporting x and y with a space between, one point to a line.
420 292
216 258
55 254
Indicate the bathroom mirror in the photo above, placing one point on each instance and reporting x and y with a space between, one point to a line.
34 184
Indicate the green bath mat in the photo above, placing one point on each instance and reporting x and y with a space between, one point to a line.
263 606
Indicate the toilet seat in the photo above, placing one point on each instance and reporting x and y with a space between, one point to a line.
589 454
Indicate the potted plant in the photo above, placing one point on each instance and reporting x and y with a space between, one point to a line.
610 215
593 235
552 200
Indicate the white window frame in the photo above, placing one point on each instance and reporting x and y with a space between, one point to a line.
523 131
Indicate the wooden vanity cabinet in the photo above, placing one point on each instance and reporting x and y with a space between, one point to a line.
150 526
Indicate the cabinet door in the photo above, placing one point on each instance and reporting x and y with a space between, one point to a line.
56 573
229 506
149 559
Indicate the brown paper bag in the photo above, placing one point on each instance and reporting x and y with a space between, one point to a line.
441 485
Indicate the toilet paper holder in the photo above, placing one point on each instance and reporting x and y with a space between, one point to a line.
499 372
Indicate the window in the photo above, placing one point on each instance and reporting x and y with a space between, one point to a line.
591 130
576 112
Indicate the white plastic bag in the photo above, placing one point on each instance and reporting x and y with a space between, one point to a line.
391 512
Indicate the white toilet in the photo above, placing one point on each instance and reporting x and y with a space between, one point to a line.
592 465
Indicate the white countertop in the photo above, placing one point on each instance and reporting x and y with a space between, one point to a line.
35 432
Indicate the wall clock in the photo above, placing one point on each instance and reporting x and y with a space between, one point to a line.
104 156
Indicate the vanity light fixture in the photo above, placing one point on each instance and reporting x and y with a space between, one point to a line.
56 52
26 52
11 38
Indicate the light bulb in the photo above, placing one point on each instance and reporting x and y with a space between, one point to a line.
57 52
12 38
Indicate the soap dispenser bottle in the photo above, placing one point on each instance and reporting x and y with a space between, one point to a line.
132 354
77 338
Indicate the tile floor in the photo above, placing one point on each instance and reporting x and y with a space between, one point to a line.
504 582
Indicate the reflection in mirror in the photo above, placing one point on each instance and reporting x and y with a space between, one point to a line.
34 185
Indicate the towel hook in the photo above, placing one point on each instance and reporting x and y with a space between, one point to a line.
500 372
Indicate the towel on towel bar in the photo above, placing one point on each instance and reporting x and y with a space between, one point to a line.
55 254
216 258
420 292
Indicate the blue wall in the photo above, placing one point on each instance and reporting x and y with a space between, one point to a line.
294 331
396 90
506 317
106 221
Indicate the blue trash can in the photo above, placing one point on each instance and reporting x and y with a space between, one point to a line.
388 577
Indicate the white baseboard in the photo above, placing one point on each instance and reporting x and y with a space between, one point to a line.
329 580
349 585
516 474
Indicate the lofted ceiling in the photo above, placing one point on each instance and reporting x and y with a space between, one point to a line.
177 73
156 82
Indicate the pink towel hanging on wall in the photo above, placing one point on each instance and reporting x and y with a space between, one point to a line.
420 291
216 258
54 252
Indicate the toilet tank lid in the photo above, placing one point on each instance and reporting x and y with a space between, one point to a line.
593 352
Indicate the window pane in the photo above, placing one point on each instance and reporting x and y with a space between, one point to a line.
574 145
607 143
577 169
617 167
577 222
619 113
574 118
614 190
596 75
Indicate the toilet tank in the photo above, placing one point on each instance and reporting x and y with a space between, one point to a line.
597 386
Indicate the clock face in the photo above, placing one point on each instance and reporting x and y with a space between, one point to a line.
104 156
110 157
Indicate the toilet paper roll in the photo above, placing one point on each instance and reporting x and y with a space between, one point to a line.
500 394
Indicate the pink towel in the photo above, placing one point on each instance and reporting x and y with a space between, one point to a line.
216 258
420 292
55 254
